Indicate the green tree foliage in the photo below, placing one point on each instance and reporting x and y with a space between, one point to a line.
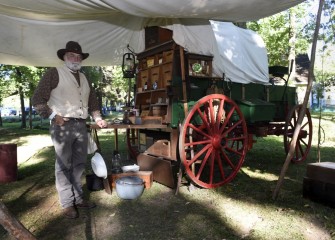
275 31
327 27
109 84
118 89
21 81
325 67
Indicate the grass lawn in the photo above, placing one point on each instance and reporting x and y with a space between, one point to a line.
242 209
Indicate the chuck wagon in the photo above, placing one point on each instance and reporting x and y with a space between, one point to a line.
204 124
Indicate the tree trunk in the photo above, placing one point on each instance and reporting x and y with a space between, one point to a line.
21 94
12 225
23 112
30 114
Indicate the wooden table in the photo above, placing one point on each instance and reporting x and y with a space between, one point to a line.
115 126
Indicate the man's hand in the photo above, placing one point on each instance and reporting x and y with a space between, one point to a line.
101 123
58 120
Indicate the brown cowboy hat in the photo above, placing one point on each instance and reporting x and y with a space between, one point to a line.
71 46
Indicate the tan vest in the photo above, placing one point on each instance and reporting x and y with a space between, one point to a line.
69 99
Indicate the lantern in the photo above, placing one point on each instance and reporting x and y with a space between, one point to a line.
128 65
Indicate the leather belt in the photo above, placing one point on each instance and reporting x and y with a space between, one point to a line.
74 119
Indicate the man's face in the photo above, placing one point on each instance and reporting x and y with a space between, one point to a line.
73 60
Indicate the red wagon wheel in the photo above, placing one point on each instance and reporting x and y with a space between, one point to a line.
132 142
304 140
213 141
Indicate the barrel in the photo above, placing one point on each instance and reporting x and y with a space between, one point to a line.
8 163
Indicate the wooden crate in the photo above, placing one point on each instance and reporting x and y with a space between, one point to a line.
319 183
147 177
323 171
319 191
163 171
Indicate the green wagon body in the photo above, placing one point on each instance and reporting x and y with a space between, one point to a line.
208 123
261 103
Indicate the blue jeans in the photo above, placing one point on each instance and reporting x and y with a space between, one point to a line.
70 143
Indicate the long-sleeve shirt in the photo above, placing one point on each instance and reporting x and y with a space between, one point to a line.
49 82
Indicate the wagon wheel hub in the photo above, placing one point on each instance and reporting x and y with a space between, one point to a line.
217 141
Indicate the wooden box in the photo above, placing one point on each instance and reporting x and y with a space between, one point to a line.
163 170
323 171
319 191
319 183
160 148
147 177
156 35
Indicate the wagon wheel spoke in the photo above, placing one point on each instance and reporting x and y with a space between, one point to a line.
226 158
203 163
213 141
229 115
199 131
197 156
204 120
304 140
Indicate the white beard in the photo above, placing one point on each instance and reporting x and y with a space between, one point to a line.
74 66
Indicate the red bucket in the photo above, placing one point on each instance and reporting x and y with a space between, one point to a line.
8 163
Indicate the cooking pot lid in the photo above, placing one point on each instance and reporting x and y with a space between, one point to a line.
99 165
132 180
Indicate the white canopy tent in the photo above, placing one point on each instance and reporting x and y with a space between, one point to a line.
33 30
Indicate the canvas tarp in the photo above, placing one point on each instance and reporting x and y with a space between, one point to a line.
33 30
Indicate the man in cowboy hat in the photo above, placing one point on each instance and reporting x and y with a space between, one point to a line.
66 97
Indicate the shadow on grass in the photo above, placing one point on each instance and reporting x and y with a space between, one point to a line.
17 135
159 214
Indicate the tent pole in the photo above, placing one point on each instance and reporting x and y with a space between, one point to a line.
304 105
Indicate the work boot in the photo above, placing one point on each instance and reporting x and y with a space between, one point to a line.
70 212
86 204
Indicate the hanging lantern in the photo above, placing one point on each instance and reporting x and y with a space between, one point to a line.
128 65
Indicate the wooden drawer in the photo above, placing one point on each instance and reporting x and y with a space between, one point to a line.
167 56
154 75
166 74
151 61
143 64
144 78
